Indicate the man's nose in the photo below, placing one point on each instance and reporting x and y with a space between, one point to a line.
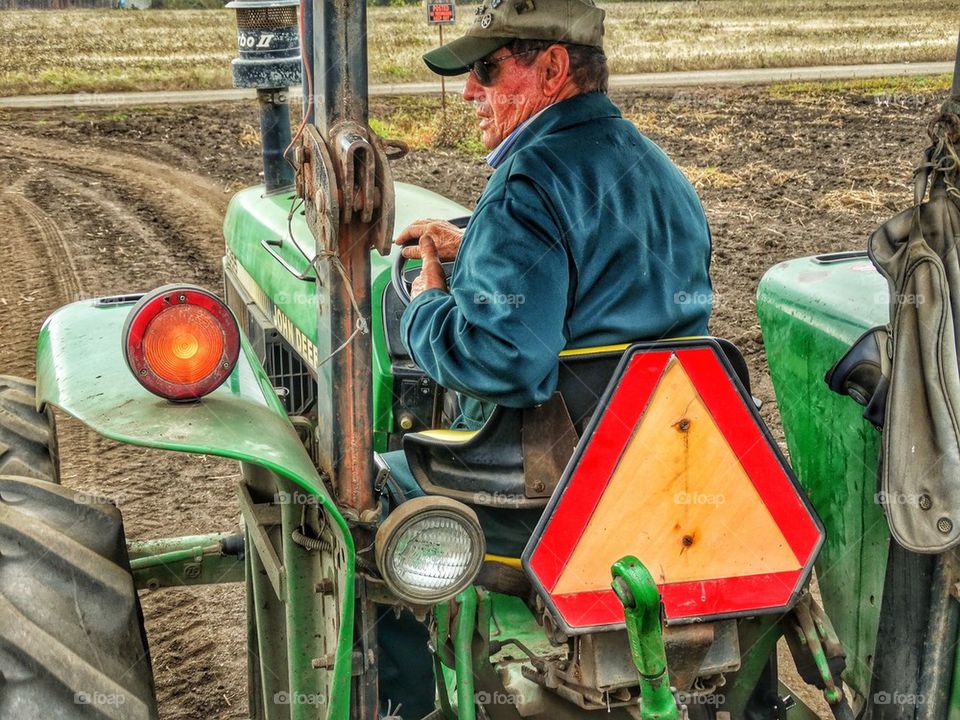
472 90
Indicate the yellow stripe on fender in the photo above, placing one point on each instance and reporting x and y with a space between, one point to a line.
599 349
602 349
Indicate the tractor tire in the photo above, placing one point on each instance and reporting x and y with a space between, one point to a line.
28 440
72 643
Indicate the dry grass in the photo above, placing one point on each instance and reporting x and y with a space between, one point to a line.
102 50
249 136
852 201
663 36
653 37
420 122
711 177
753 174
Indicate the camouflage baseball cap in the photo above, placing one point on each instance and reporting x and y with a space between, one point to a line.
499 22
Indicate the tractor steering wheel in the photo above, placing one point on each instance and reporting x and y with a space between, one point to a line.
402 279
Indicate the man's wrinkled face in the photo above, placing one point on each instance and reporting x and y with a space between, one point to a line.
514 95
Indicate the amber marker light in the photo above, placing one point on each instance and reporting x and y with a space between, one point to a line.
181 342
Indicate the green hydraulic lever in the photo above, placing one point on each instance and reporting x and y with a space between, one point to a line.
637 590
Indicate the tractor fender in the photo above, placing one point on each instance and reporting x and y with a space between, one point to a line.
81 370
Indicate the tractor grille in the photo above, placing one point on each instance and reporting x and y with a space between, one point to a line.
286 370
266 18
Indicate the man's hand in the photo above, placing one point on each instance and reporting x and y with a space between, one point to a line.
431 274
445 236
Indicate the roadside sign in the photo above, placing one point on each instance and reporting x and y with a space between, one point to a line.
678 470
441 13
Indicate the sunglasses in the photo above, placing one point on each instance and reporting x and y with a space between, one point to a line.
484 70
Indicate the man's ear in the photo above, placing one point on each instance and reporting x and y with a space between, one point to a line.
554 69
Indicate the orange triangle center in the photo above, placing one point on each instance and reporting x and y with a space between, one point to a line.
679 500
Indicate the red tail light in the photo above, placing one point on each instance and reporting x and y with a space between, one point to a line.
181 342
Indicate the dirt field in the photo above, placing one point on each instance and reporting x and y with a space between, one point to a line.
106 203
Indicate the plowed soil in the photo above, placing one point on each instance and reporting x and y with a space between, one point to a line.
99 203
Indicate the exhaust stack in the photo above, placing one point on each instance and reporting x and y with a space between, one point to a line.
268 44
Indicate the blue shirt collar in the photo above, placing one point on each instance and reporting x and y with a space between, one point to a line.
496 156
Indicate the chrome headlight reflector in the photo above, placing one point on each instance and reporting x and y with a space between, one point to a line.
429 549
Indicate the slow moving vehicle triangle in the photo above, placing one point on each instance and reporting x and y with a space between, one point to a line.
678 470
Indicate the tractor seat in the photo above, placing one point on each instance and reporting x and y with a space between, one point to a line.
517 458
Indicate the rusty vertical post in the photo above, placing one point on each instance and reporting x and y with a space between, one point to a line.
339 61
351 375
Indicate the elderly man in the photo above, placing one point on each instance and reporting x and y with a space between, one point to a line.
586 235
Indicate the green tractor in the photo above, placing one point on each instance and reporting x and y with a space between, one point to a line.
675 545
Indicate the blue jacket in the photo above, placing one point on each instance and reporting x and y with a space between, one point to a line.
587 234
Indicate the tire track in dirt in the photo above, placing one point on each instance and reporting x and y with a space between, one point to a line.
196 195
116 213
37 271
186 209
50 241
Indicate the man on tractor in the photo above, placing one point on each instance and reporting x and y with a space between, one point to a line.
586 235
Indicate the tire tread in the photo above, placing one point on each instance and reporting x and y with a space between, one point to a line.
28 441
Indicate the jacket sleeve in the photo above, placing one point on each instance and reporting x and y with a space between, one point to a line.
497 333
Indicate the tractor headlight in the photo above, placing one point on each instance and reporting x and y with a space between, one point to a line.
429 549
